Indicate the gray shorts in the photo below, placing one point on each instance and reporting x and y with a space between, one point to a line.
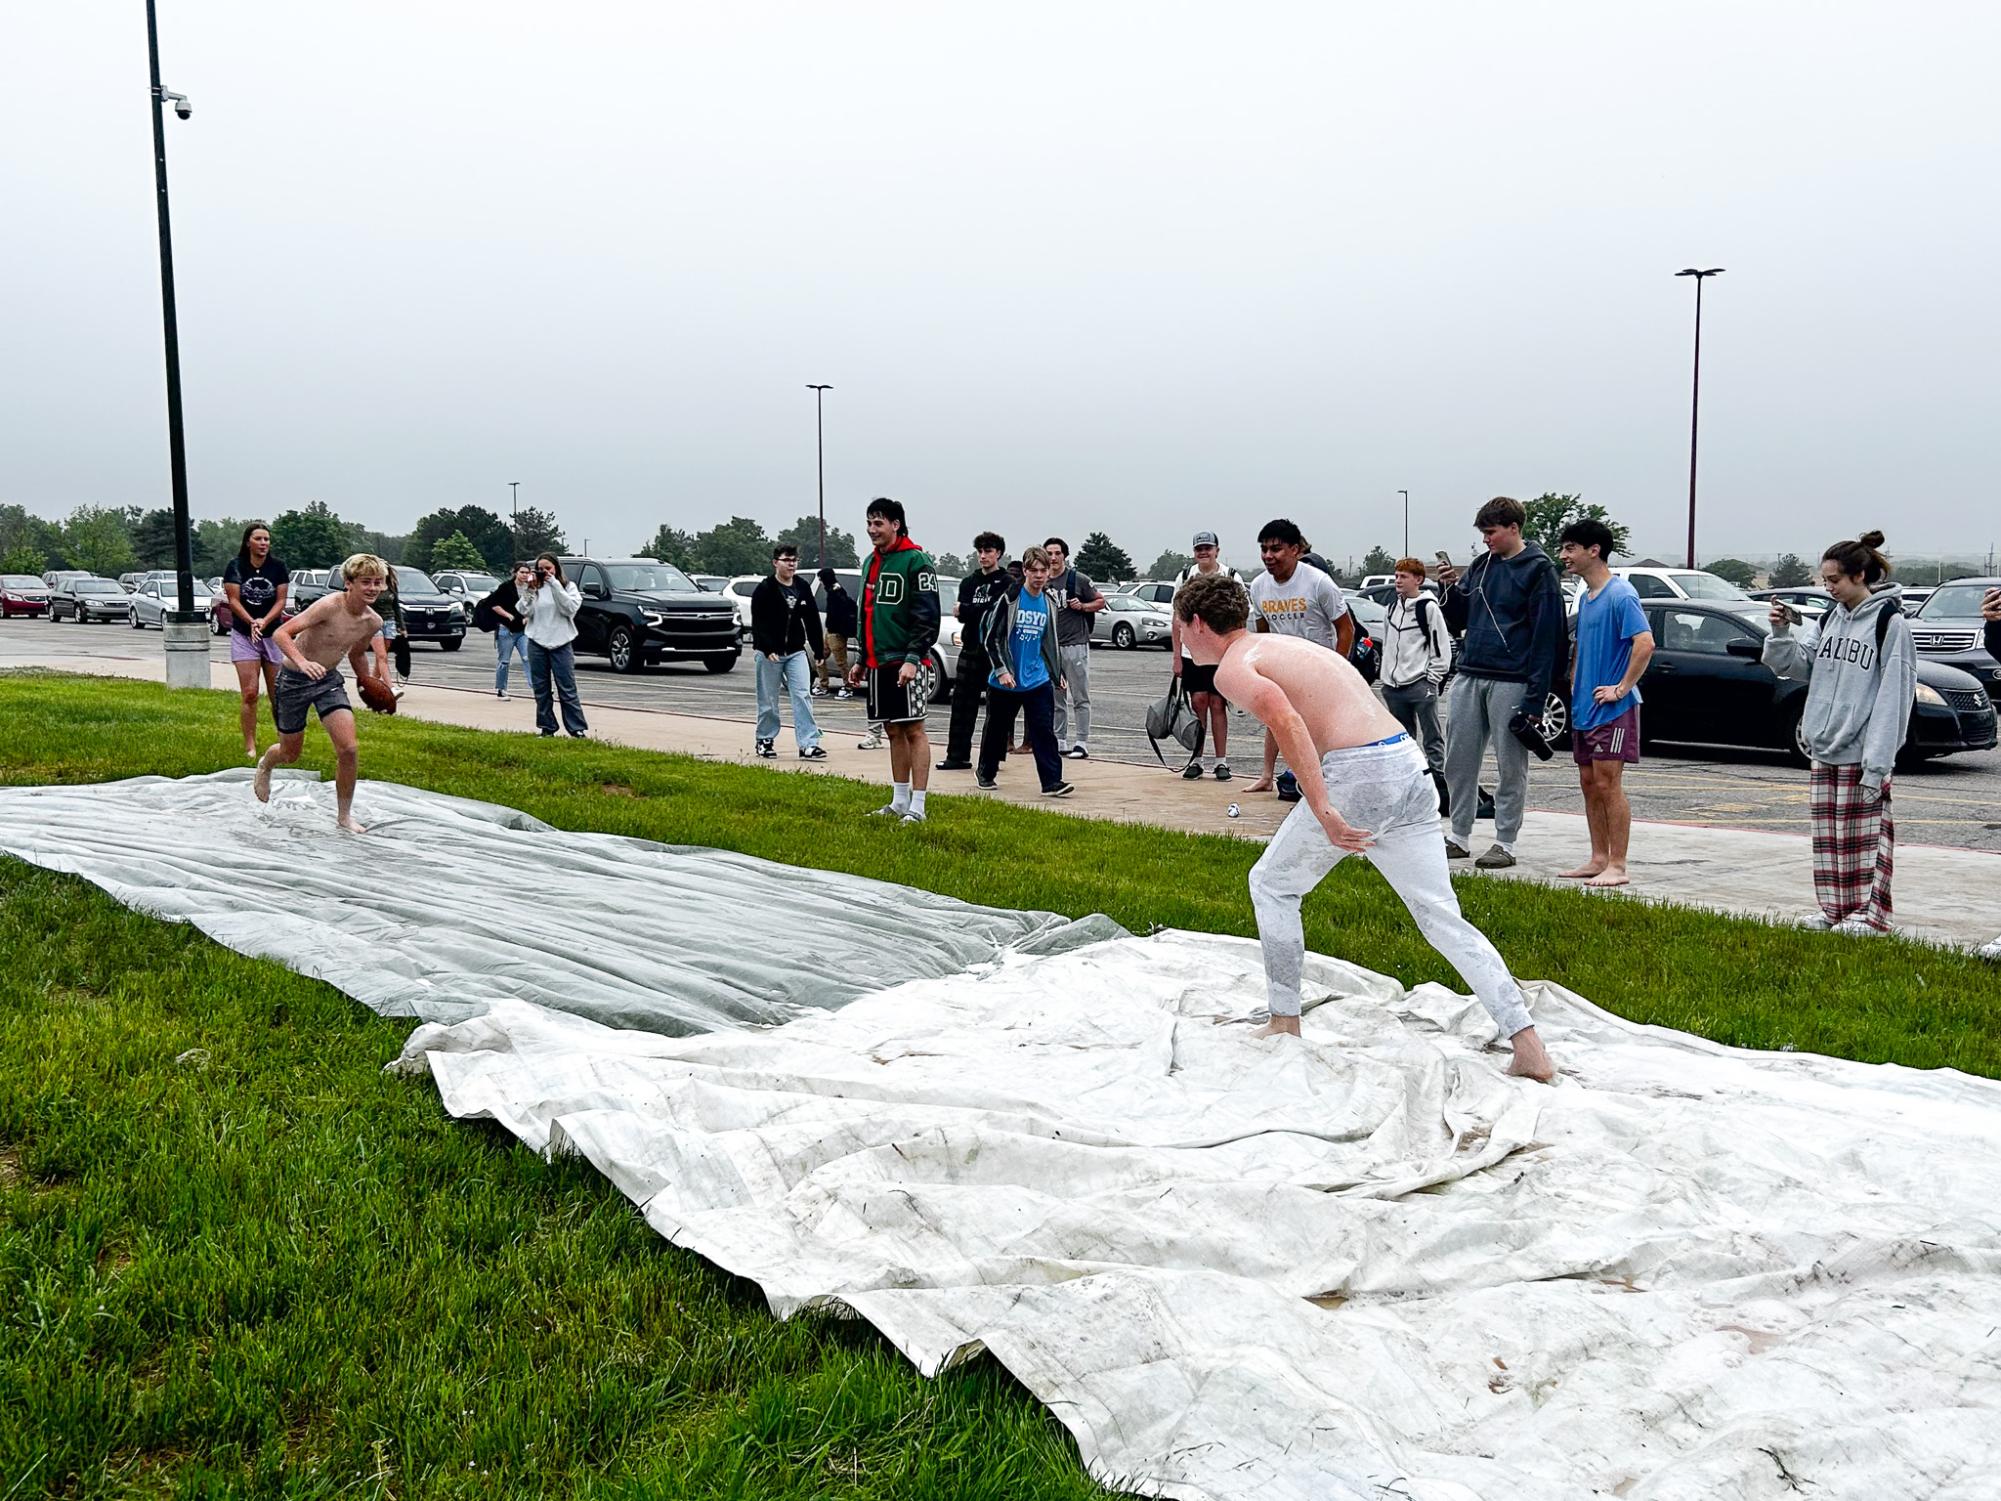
298 693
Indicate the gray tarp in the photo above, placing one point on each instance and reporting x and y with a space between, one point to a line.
1368 1265
451 904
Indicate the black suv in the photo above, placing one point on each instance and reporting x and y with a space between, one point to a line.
1948 629
637 611
429 614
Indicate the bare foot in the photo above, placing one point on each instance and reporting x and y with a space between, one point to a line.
1612 875
261 783
1279 1026
346 821
250 753
1532 1060
1262 784
1588 868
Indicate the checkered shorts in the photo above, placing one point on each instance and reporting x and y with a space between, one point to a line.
1854 846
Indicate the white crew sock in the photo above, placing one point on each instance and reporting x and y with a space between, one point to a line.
917 800
901 800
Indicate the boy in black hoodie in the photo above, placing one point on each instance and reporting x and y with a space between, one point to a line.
1509 608
784 627
841 618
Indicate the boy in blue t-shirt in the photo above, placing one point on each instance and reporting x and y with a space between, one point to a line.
1613 648
1018 634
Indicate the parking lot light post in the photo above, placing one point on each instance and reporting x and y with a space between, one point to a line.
1695 398
1406 521
515 486
185 634
820 447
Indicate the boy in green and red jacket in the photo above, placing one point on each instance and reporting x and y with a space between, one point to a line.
899 610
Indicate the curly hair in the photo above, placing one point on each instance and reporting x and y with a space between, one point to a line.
1215 599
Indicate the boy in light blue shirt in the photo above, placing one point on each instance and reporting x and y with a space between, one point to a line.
1613 648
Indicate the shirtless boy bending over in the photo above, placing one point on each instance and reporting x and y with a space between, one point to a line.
314 641
1374 793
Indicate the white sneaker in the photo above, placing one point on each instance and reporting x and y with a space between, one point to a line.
1989 951
913 817
1855 927
1815 922
888 810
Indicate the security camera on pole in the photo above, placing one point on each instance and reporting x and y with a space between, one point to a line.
185 629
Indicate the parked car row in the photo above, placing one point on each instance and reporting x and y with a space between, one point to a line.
1707 685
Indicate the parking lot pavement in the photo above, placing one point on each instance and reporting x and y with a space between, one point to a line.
1956 801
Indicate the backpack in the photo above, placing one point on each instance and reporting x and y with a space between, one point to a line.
1424 603
1883 625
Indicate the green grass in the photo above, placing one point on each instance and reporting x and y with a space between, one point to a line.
238 1259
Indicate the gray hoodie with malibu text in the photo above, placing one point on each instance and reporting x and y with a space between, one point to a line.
1858 703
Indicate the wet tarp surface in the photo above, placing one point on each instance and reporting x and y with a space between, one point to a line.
1366 1266
447 905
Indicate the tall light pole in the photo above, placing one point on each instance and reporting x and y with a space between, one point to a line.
183 670
1695 399
515 486
1406 521
820 444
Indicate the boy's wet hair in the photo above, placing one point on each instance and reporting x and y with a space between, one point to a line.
1215 599
363 565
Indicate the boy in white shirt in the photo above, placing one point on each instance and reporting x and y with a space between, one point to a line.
1199 683
1416 658
1293 598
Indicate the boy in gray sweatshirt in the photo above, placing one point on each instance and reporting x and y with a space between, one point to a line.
1860 668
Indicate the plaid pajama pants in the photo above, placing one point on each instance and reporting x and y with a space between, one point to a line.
1854 846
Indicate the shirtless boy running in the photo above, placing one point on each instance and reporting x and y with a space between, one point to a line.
314 641
1373 793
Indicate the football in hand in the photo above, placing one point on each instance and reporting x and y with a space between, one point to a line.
376 693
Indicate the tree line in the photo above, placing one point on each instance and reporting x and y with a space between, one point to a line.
110 540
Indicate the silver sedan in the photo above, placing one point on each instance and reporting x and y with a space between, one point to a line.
152 599
1130 622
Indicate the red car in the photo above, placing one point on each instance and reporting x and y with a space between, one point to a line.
22 594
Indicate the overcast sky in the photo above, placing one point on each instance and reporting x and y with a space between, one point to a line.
1139 267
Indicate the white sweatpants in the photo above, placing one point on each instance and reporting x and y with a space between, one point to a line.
1386 789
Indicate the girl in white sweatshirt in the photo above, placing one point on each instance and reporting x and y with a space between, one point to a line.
549 607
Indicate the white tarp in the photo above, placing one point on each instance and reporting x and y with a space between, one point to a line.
1366 1266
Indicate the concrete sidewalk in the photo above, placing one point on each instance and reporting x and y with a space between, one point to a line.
1944 895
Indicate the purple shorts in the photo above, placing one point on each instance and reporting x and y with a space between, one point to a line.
1616 740
263 649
